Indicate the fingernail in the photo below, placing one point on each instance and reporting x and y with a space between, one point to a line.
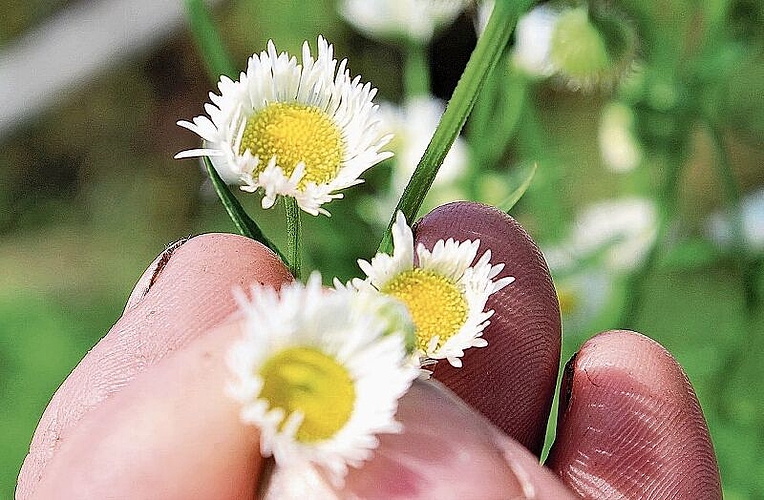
566 386
151 274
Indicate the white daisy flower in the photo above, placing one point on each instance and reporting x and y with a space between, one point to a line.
620 232
300 130
416 20
445 295
320 373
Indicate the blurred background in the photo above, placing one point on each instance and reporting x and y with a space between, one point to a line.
643 122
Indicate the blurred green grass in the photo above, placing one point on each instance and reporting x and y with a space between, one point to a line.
89 195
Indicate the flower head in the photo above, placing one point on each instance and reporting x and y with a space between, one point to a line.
320 373
300 130
415 20
445 293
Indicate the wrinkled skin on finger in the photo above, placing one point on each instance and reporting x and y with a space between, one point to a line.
630 425
184 293
168 431
511 381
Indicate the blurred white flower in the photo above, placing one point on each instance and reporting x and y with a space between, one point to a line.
619 148
719 225
627 227
620 231
533 37
412 126
416 20
583 296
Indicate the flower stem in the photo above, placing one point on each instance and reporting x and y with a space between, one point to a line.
294 236
416 73
208 40
733 199
637 281
483 59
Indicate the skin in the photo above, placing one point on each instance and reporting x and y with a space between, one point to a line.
144 415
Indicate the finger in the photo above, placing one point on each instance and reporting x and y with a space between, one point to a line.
186 291
172 433
630 425
447 450
512 380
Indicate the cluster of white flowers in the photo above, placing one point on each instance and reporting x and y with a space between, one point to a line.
321 372
608 239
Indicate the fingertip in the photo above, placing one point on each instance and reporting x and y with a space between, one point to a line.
446 450
512 380
184 293
207 262
631 424
173 433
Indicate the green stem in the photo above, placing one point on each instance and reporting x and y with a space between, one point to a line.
416 73
208 40
733 200
484 58
748 268
244 224
635 288
294 242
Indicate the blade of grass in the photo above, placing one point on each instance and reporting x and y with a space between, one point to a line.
527 173
484 58
244 224
208 40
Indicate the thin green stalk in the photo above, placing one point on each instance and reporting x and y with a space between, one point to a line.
748 269
484 58
733 200
208 40
244 224
636 282
416 73
294 236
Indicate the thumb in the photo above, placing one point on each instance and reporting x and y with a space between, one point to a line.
185 292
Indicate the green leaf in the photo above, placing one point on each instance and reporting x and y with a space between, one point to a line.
244 224
208 41
521 178
484 58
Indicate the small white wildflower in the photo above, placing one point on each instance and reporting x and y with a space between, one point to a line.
320 373
445 293
300 130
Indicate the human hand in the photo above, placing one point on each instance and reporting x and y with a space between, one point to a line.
145 415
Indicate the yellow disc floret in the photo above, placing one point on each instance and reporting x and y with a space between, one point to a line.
305 379
436 305
294 133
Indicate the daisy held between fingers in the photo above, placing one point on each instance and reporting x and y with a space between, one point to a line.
444 292
320 373
298 130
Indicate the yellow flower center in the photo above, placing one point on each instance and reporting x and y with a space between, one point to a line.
295 133
436 305
305 379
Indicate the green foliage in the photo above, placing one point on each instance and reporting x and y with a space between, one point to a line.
84 208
